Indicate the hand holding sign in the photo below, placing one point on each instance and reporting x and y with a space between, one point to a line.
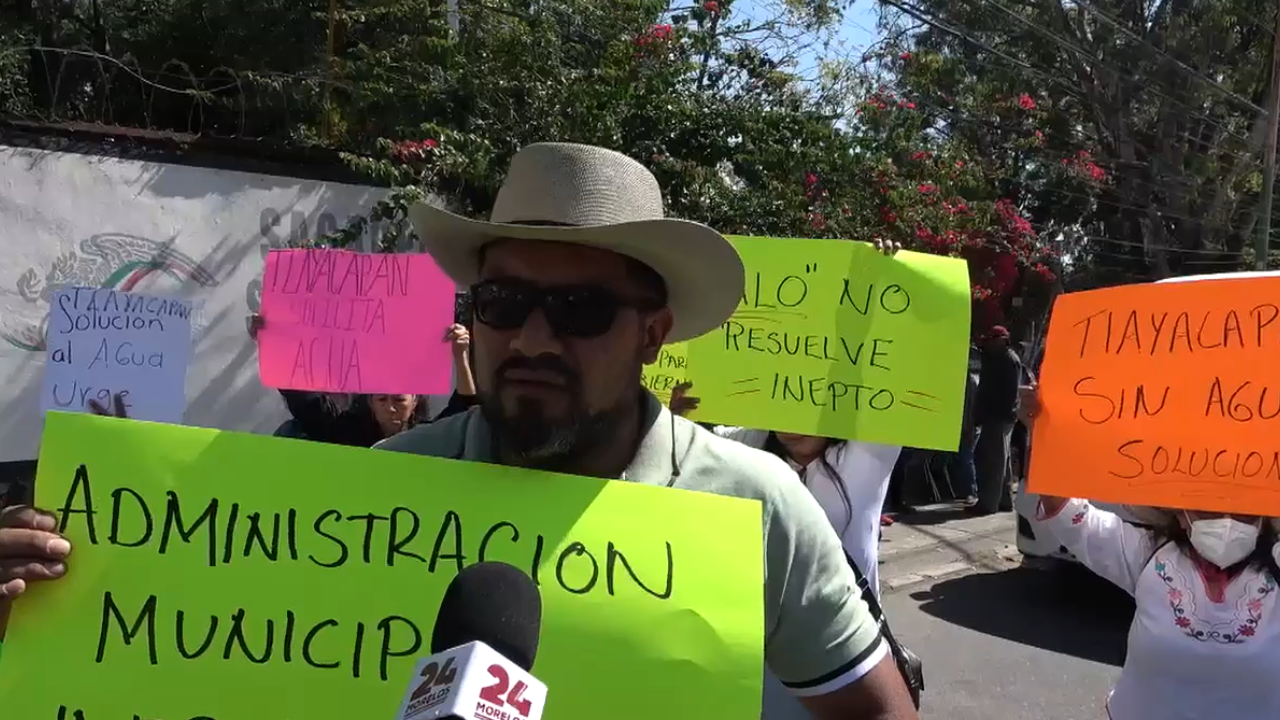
682 403
1028 405
255 323
30 550
118 407
459 338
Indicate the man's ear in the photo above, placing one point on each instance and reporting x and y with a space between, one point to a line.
654 334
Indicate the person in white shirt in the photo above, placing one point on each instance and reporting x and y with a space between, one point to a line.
1205 642
848 479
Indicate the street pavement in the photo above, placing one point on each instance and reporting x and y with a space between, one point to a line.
999 640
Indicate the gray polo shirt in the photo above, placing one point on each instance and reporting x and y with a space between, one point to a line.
819 634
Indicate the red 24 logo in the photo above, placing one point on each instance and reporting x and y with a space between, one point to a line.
433 677
513 699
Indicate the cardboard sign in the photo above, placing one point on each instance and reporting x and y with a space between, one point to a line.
1162 395
832 338
102 342
242 577
346 322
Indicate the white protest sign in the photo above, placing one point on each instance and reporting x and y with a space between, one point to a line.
102 342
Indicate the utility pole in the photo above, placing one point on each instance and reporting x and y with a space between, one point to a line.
325 120
1269 155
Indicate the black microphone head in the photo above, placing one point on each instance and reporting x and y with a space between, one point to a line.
493 603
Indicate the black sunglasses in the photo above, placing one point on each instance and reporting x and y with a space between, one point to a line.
581 311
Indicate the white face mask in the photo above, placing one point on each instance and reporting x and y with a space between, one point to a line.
1224 541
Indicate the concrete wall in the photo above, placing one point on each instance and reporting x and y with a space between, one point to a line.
130 224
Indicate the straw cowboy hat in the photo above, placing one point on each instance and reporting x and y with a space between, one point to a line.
590 196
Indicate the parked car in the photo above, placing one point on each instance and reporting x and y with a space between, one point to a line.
1041 548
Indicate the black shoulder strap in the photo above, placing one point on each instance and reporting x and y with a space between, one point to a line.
868 595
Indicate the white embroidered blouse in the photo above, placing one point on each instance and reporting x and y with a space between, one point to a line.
864 470
1203 646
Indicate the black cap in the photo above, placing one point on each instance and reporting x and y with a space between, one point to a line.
493 603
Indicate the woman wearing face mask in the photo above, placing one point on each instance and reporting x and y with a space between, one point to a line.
1205 642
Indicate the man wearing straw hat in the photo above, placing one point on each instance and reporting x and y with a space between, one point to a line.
576 282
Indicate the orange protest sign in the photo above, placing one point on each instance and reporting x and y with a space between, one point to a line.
1164 395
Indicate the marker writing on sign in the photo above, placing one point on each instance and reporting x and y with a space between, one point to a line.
85 309
223 533
1136 406
343 294
66 713
771 320
662 376
230 532
101 332
1139 333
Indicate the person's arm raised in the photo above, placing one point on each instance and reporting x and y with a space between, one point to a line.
1100 540
1028 410
464 380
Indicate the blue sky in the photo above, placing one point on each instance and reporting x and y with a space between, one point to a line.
856 33
859 26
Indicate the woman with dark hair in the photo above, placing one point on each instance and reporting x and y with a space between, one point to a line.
1205 642
364 420
848 479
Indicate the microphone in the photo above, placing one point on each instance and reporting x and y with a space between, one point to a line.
482 648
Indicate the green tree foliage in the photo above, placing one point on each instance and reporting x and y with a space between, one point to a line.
1153 109
699 93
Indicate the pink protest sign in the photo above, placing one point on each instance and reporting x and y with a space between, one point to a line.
345 322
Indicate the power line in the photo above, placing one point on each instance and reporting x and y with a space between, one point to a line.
1069 46
1088 5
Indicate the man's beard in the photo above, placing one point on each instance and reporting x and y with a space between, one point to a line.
530 438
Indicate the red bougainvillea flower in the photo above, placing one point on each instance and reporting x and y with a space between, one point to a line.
1084 167
906 105
414 150
656 34
712 7
926 188
810 180
1012 219
921 155
1004 272
817 221
1025 102
905 57
1043 273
